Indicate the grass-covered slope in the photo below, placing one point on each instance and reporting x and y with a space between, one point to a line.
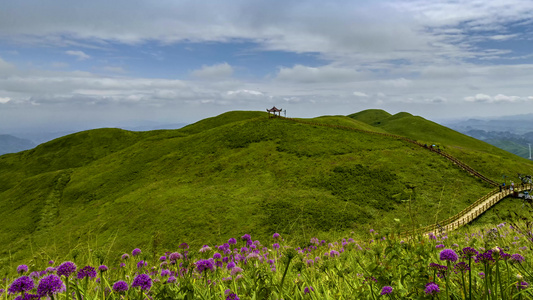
371 116
236 173
491 161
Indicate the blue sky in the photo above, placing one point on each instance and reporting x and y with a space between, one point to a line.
75 65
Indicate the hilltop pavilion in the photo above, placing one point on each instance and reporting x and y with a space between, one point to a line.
274 110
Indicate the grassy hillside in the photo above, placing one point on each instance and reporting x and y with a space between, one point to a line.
240 172
485 158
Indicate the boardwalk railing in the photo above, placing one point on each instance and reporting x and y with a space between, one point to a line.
470 213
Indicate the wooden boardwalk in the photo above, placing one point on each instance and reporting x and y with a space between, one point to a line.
468 214
473 211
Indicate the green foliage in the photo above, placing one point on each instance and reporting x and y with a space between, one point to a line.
381 188
240 172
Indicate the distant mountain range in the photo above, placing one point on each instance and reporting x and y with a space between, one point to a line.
517 124
12 144
510 133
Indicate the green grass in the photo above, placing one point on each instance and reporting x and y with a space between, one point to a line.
236 173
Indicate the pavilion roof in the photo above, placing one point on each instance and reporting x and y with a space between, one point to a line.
274 109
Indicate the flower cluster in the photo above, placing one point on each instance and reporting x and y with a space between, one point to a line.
143 281
86 271
204 265
432 289
50 285
448 255
66 269
21 284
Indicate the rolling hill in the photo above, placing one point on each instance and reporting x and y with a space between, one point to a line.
240 172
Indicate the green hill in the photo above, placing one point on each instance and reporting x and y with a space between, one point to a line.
485 158
240 172
371 116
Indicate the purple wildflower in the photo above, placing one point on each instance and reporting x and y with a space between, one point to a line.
171 279
120 286
485 257
232 296
308 289
232 241
440 270
22 269
21 284
50 285
103 268
175 256
439 246
125 256
136 252
163 258
184 246
217 256
370 280
203 265
205 248
66 269
469 252
334 253
141 264
86 271
461 267
448 255
246 237
143 281
432 289
275 246
165 272
276 236
517 258
386 290
26 296
235 270
522 285
230 265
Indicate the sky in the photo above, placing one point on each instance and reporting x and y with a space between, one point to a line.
73 65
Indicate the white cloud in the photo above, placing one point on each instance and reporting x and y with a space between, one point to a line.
360 94
79 54
113 69
479 98
245 92
398 83
4 100
503 37
304 74
218 71
499 98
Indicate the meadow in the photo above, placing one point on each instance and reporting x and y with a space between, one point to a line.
472 263
181 200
